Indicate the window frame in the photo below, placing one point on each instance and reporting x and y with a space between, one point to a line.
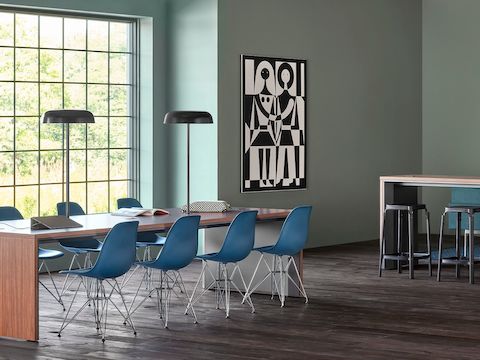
132 116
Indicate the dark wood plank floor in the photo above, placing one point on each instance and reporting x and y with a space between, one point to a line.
352 314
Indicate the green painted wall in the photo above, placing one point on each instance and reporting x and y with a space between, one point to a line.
364 102
451 93
192 85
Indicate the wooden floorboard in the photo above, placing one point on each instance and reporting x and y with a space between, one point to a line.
352 314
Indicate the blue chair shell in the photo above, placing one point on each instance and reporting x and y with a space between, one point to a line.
239 240
147 238
80 245
117 254
294 233
180 247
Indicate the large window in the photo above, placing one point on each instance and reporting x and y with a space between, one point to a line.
52 62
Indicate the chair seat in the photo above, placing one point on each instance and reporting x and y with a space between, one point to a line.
159 241
405 207
265 249
49 254
81 245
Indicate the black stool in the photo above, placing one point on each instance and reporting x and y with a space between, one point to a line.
458 259
401 255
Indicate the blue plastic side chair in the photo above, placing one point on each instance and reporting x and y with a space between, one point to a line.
145 239
291 241
180 249
85 245
115 259
237 245
11 213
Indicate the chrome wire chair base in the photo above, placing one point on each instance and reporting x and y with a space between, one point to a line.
222 283
163 287
281 268
86 263
99 298
58 295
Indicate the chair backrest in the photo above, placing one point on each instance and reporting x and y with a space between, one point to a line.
181 244
118 252
294 233
9 213
128 203
240 237
75 209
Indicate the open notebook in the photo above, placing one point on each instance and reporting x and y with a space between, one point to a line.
135 211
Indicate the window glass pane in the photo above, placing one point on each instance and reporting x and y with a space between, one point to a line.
97 35
26 30
119 130
98 133
26 64
51 167
97 197
75 96
6 29
75 33
6 63
6 168
119 36
26 133
77 136
118 190
78 194
50 65
97 165
119 100
51 31
118 164
6 98
98 99
97 67
6 133
50 97
26 167
26 99
78 163
75 66
50 195
51 136
26 200
119 68
6 196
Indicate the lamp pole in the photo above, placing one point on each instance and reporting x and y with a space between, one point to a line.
67 170
188 168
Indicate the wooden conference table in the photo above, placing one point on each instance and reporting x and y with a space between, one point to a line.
19 258
402 189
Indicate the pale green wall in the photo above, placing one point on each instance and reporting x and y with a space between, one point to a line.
192 85
364 102
451 93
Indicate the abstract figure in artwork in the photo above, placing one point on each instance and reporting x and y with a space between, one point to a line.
273 124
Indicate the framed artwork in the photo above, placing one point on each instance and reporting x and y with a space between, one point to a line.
273 123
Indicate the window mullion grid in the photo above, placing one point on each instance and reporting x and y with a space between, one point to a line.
38 114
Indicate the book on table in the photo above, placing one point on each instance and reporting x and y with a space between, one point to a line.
135 211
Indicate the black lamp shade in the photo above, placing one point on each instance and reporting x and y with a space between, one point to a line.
188 117
68 117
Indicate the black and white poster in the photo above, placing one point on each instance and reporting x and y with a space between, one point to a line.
273 124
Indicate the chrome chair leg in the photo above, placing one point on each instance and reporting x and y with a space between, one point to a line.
58 296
